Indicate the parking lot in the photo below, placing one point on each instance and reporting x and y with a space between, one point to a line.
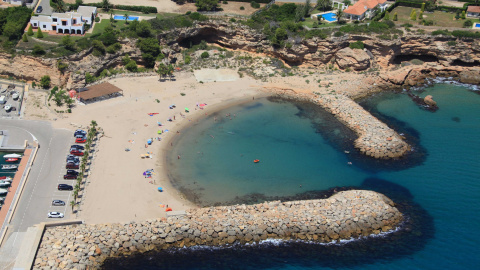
11 97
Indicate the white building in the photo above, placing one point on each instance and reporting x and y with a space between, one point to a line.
65 23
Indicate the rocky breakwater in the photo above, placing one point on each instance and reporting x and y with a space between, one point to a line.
344 215
375 138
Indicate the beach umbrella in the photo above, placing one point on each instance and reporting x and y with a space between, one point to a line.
72 93
203 104
187 110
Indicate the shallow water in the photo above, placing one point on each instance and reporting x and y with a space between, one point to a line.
437 186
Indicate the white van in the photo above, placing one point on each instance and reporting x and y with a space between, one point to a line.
3 99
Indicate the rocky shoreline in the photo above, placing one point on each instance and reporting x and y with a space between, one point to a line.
345 215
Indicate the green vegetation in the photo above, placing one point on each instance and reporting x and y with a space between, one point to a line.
254 4
30 30
357 45
38 50
45 82
457 33
24 38
206 5
39 33
131 66
204 55
13 21
413 15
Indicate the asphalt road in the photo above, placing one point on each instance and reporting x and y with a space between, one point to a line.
47 10
46 173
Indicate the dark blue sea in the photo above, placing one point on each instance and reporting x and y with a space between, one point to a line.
305 153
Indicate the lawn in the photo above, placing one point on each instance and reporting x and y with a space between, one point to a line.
130 13
100 26
439 18
309 22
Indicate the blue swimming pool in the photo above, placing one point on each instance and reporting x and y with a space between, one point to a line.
130 18
329 17
477 25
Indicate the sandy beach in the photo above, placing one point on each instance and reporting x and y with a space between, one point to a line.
117 190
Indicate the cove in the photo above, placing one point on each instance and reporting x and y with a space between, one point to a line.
439 191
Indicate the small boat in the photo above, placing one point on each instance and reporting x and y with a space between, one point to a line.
5 183
12 156
3 191
9 167
256 161
11 159
5 178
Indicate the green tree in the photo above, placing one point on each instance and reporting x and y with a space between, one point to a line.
126 18
69 101
39 33
38 50
62 66
78 3
420 15
106 5
98 48
30 30
68 43
144 29
463 15
131 66
299 13
170 70
126 59
423 7
323 4
467 24
206 5
150 50
109 36
89 78
413 15
347 3
12 30
204 55
45 82
162 70
387 16
24 38
395 16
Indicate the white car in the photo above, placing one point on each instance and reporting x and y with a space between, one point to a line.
55 215
8 107
15 96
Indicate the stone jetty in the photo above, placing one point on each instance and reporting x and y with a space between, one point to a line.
375 138
344 215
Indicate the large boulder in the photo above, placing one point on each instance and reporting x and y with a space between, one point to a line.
429 101
470 76
352 58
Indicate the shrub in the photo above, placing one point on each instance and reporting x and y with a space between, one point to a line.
126 59
232 20
242 8
254 4
114 48
188 13
143 9
338 34
204 55
357 45
315 25
24 38
34 84
39 33
45 82
97 19
30 30
387 16
197 16
38 50
62 66
441 32
98 48
452 43
463 15
131 66
89 78
395 16
224 2
188 59
467 24
413 15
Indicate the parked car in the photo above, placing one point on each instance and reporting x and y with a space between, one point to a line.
39 9
8 107
81 140
70 176
79 132
55 215
15 96
58 203
64 187
3 99
76 153
72 172
78 147
72 165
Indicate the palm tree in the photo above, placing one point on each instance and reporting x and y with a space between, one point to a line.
126 18
75 194
59 6
72 204
323 4
106 5
170 71
93 123
162 70
339 15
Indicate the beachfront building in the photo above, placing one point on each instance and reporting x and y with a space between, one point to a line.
473 11
365 9
66 23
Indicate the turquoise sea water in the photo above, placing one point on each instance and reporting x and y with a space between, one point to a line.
437 186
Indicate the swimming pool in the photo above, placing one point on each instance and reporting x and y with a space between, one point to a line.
130 18
477 25
329 17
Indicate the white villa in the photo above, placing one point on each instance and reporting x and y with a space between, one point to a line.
364 9
473 11
66 23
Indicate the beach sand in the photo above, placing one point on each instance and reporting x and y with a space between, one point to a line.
116 189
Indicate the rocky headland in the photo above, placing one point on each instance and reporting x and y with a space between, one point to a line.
345 215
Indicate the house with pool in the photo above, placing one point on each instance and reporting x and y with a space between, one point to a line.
365 9
66 23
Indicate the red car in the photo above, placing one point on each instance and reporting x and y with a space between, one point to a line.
76 152
72 166
69 176
81 140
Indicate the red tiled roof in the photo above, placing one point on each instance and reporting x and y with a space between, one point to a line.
361 6
474 9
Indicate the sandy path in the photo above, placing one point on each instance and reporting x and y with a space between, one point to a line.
117 191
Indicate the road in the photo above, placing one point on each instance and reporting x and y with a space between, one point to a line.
47 10
46 173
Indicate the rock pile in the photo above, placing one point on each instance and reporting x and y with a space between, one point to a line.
343 216
375 138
